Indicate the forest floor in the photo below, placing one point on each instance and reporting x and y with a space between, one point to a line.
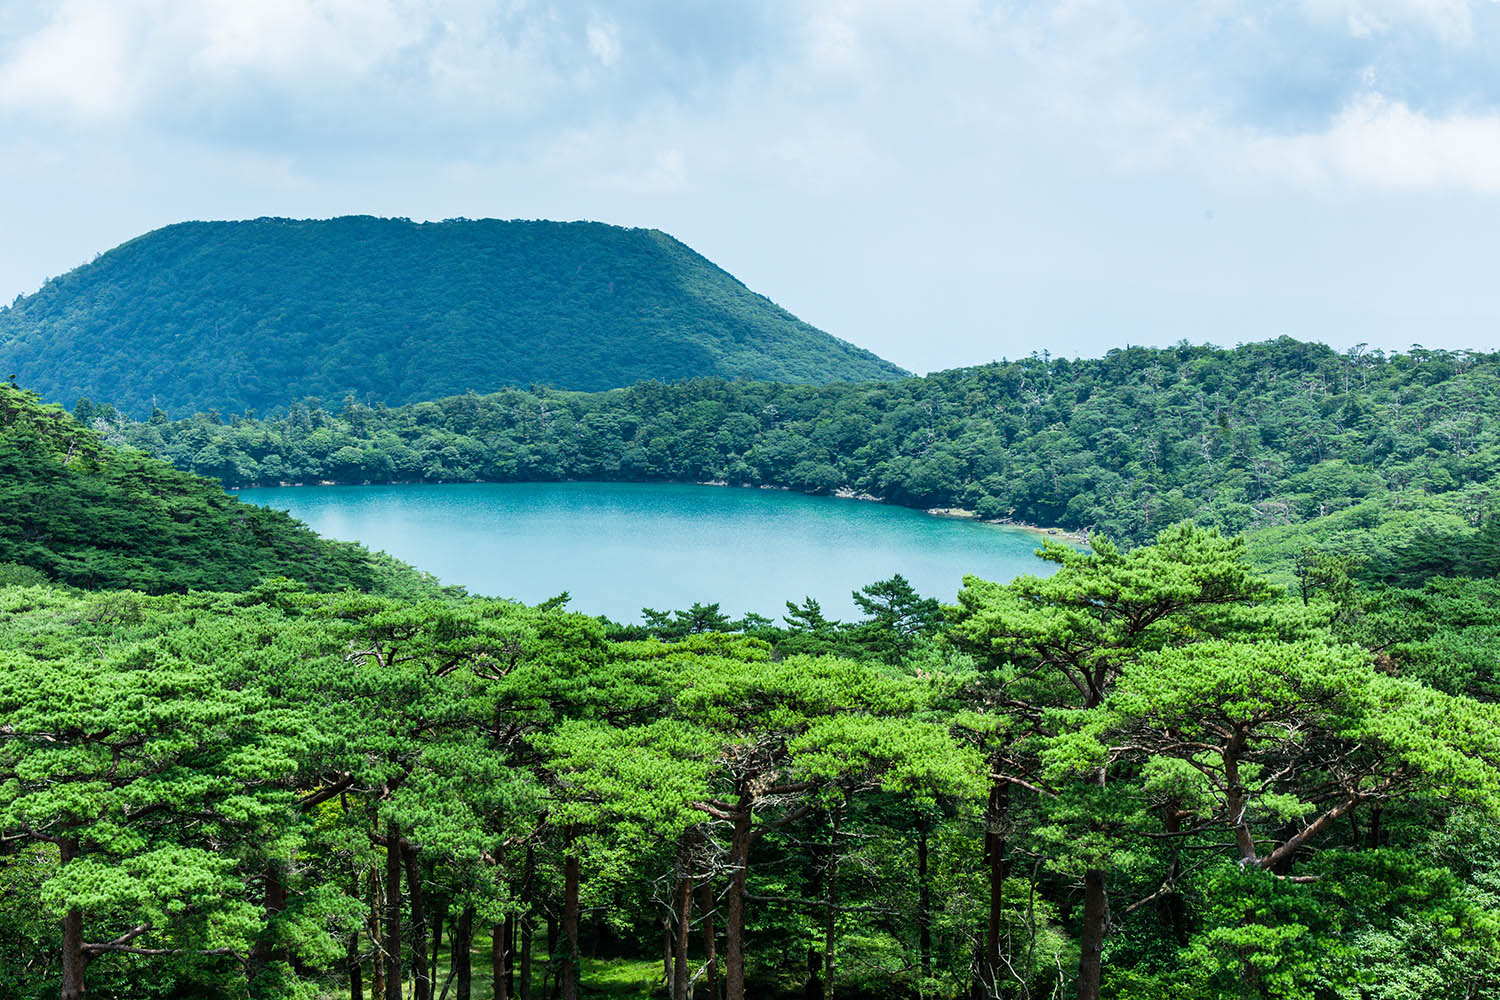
602 979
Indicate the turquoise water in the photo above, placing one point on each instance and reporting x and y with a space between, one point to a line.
618 547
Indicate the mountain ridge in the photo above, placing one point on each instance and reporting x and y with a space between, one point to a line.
262 313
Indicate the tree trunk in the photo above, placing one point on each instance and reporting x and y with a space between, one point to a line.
437 943
1091 942
813 990
666 952
377 946
996 815
421 980
1176 911
392 910
512 941
830 904
528 880
1236 798
356 972
680 975
273 898
463 935
1095 902
500 960
569 974
710 945
924 902
526 956
734 932
74 961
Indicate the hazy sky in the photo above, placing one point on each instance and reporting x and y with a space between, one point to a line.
943 182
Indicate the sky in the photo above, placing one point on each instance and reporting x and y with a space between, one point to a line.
944 182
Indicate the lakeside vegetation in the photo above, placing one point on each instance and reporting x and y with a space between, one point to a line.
1145 775
263 313
1392 459
1158 771
76 511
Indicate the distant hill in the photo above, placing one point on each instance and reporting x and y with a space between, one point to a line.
235 315
74 510
1276 435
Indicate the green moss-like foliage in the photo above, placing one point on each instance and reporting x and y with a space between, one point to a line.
76 511
256 795
261 314
1390 458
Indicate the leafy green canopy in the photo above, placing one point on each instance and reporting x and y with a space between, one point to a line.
261 314
86 514
1226 773
273 793
1395 456
147 774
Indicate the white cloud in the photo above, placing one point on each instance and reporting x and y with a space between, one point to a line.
1384 144
854 91
77 61
289 37
833 42
604 39
126 60
1451 21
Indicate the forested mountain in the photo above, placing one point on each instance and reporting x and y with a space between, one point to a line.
1157 771
1396 457
76 511
1152 772
260 314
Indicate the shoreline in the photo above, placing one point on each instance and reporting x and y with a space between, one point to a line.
963 514
842 493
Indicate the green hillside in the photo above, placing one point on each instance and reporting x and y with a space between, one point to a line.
1265 437
76 511
260 314
1152 766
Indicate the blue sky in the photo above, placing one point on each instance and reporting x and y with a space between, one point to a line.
943 182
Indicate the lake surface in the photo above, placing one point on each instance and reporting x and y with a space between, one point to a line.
618 547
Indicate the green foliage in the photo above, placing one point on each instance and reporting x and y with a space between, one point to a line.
136 750
17 575
1199 747
899 623
1445 633
897 617
77 511
258 315
1277 798
1265 437
1395 539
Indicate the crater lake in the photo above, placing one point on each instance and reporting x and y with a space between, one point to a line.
618 547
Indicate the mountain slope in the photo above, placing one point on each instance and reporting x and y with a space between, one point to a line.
83 513
260 314
1262 435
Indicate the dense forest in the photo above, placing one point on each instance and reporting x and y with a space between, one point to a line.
1148 774
1150 770
77 511
264 313
1390 459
